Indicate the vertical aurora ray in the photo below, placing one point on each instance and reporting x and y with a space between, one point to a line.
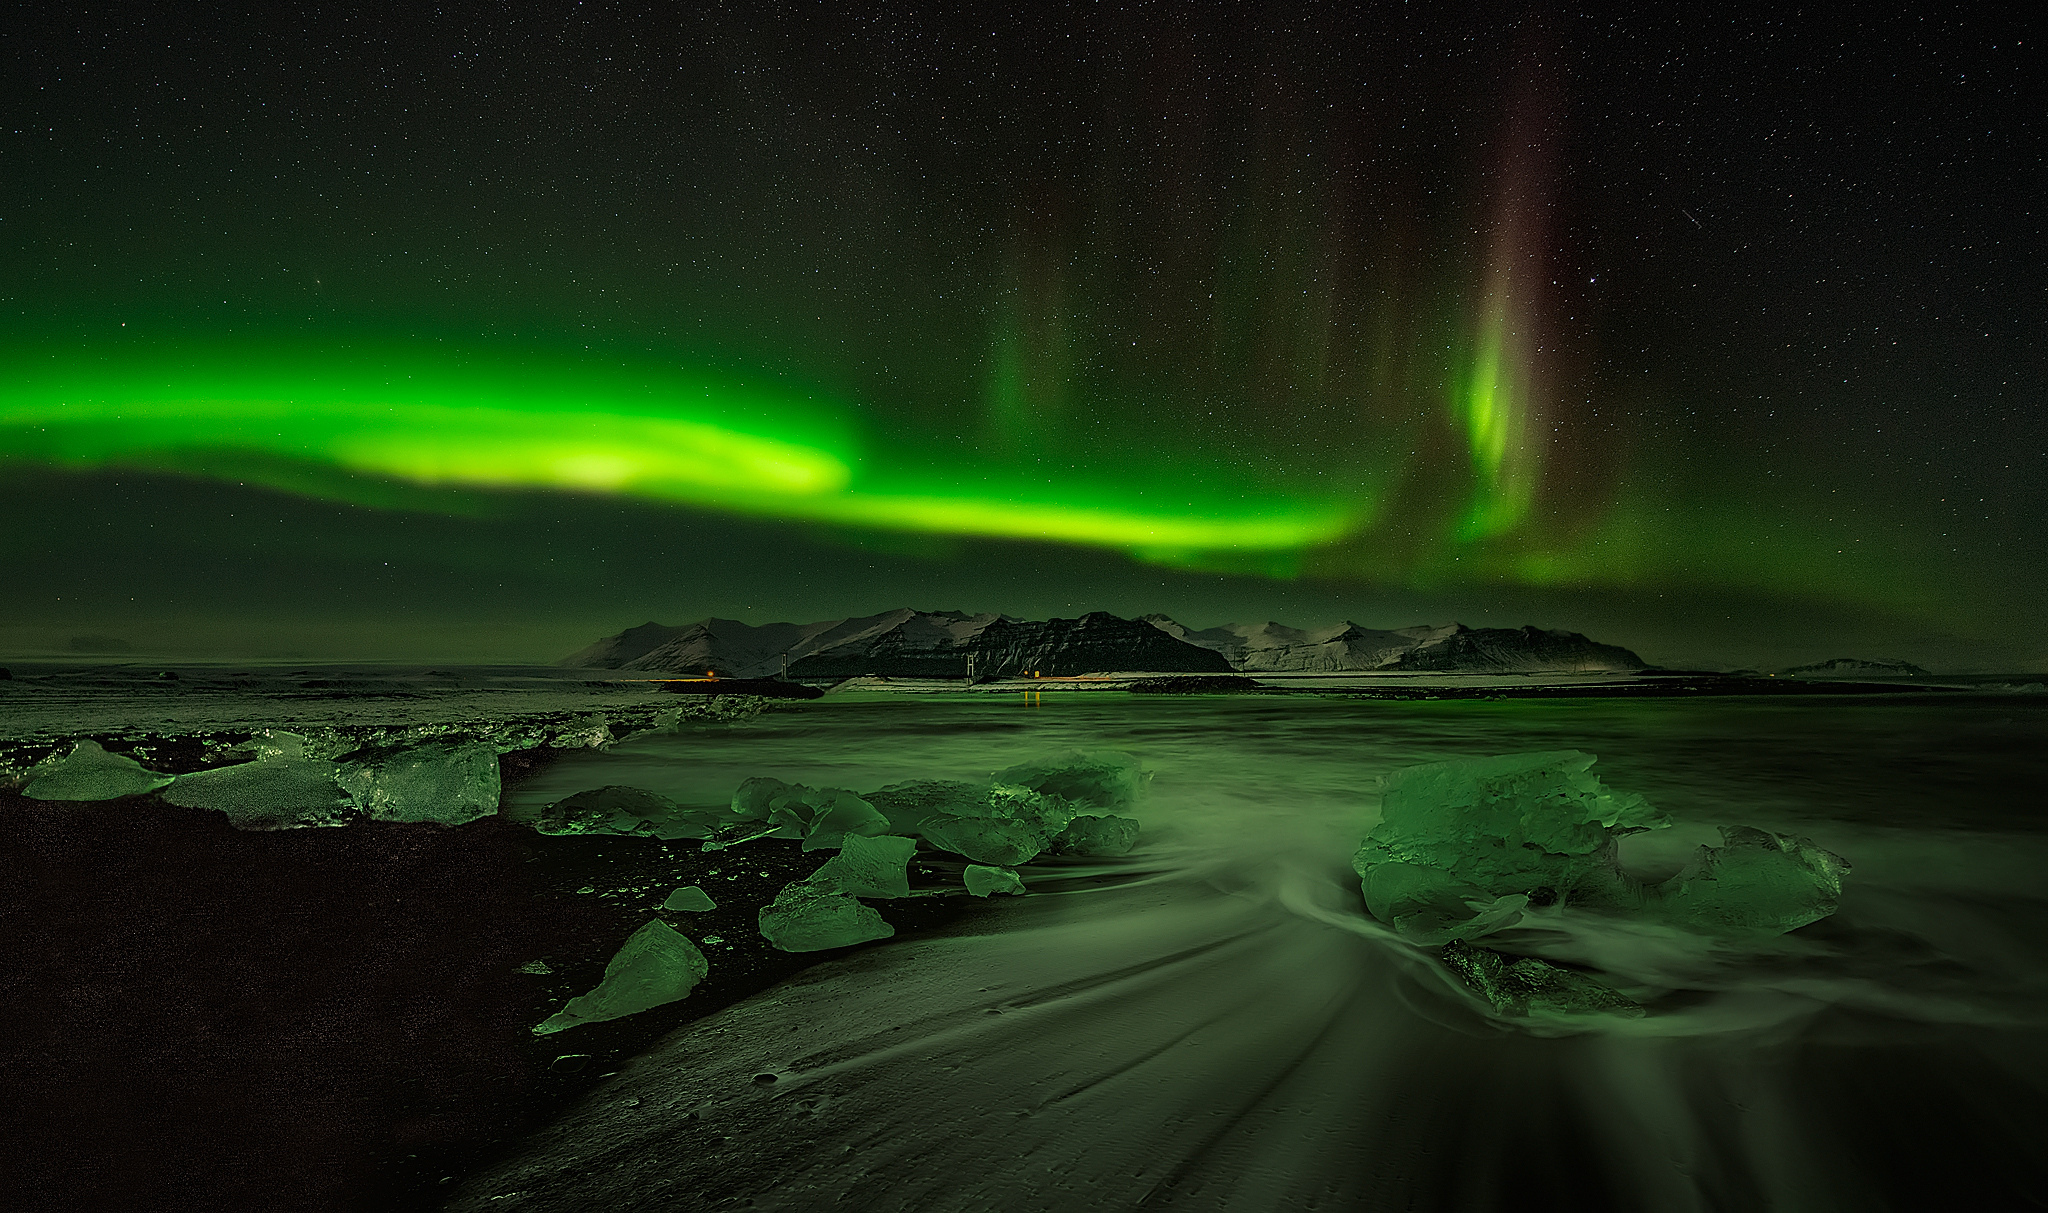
1503 399
1031 338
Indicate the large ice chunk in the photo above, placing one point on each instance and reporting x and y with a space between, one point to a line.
656 965
982 880
1463 846
753 799
1090 835
618 809
1010 824
870 867
1063 802
813 915
446 784
1002 841
826 817
909 805
1755 881
273 793
819 816
690 898
89 772
1099 779
1518 985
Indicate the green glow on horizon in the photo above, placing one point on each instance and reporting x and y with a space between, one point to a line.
447 423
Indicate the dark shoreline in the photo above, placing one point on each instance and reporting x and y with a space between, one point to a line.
333 1019
322 1019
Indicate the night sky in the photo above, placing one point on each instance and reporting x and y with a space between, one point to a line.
474 333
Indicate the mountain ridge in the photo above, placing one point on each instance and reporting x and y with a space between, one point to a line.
907 643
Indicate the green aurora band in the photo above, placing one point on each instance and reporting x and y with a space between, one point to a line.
280 414
416 425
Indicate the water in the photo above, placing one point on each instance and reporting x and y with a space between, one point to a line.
1218 1025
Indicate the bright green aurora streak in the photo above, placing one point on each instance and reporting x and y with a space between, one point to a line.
282 415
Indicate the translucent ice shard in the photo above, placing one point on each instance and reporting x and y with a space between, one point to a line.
1463 846
829 816
870 867
753 799
1755 881
911 804
277 743
618 809
88 772
690 898
1100 779
819 816
656 965
982 880
1518 985
1007 826
269 794
444 784
1063 802
811 916
1090 835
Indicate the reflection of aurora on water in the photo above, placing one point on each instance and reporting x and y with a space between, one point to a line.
1221 1026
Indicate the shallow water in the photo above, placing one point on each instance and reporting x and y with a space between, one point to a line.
1219 1025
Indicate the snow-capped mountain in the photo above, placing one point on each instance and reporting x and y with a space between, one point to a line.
908 643
901 644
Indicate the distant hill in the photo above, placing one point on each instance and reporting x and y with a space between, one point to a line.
1446 648
615 651
1845 667
907 643
1275 647
903 643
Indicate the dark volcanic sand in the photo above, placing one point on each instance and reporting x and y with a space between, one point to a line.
208 1019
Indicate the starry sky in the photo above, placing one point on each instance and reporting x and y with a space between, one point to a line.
475 333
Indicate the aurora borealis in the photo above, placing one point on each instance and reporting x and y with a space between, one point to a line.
331 333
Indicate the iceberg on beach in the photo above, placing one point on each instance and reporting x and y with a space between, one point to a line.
277 791
1091 835
983 881
1516 985
870 867
447 784
618 809
1066 803
1469 847
1101 779
1755 881
814 915
821 817
690 898
656 965
914 802
89 772
1462 847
